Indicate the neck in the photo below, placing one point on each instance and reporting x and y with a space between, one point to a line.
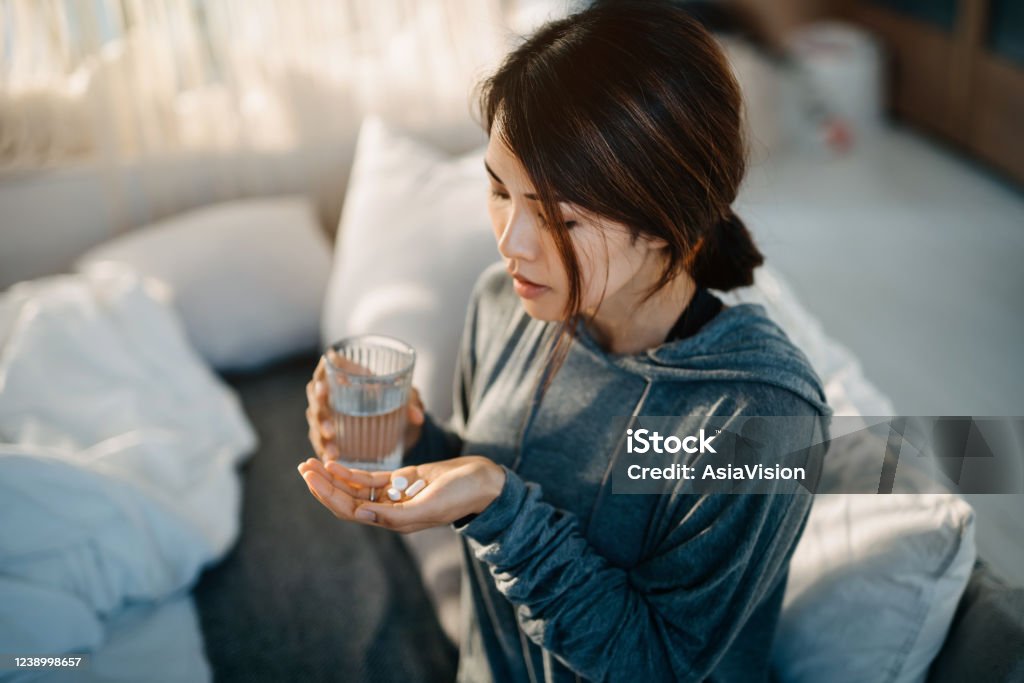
625 326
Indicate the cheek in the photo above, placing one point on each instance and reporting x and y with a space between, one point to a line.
606 267
553 266
593 257
499 217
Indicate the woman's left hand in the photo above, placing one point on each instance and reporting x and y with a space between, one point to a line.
454 488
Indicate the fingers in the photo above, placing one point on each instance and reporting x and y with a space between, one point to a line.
334 498
346 493
342 363
415 404
361 482
366 479
350 488
322 429
324 426
416 418
351 503
406 516
316 396
314 439
321 435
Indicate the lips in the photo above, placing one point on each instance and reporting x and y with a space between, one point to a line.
527 282
527 289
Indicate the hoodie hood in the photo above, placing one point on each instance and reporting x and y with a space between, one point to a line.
741 343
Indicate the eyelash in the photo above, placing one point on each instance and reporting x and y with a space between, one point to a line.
501 195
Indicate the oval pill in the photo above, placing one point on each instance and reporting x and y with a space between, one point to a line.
394 494
400 483
416 487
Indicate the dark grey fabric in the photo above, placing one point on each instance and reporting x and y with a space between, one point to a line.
986 639
304 596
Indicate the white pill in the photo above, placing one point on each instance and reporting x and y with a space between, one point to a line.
400 483
416 487
394 494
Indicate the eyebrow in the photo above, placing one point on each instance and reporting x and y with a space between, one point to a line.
499 181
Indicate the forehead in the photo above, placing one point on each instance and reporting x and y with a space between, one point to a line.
502 159
505 164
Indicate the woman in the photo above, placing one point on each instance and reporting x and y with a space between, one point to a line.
615 152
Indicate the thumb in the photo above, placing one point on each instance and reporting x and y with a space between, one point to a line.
415 407
379 513
424 508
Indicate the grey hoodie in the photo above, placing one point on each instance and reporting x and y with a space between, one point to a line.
564 580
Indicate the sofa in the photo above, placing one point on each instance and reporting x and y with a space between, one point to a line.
291 592
303 596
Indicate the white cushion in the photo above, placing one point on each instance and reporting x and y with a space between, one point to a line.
847 391
875 579
873 586
414 235
247 277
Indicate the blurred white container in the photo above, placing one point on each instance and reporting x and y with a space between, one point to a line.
842 64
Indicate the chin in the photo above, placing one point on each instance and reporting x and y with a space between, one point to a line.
538 311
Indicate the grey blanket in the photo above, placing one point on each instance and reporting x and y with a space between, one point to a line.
304 596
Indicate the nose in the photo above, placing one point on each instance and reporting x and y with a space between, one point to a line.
518 238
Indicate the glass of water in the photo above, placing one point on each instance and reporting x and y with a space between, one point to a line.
369 380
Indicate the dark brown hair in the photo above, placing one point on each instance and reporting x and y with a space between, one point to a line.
631 112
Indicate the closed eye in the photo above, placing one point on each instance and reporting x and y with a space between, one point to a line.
499 194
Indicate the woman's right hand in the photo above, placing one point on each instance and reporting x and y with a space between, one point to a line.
319 417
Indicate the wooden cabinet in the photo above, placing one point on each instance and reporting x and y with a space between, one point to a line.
956 69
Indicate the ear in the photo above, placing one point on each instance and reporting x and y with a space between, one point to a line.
654 243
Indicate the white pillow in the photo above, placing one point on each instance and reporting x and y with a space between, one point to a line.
847 391
876 578
414 235
247 276
873 586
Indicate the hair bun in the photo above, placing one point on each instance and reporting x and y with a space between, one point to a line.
728 257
